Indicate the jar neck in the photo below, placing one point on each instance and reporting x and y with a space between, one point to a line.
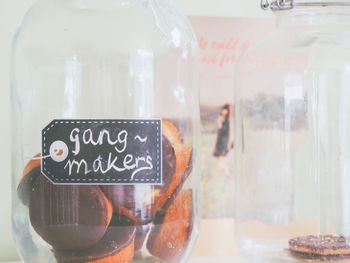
314 16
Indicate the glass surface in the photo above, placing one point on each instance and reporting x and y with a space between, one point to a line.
105 59
293 140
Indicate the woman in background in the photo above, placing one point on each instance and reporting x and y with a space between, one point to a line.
224 139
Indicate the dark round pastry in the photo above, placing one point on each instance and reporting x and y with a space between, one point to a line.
175 192
320 246
172 229
26 185
30 173
69 217
136 201
116 246
183 153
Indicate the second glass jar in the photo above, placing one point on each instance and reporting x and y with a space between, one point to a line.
293 139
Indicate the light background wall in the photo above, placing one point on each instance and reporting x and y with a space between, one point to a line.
11 12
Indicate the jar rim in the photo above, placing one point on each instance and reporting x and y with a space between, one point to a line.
277 5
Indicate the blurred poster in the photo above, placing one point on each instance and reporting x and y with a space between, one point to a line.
221 42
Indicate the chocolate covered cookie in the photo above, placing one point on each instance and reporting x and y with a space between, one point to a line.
116 246
30 173
183 153
172 229
69 217
137 201
320 246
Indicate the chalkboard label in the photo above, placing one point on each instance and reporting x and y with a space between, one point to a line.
99 152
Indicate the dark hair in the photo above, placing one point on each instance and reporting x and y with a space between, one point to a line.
226 107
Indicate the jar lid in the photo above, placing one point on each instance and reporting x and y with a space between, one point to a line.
289 4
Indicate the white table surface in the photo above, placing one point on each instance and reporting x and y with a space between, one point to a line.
204 260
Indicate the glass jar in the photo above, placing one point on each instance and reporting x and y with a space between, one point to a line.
105 132
293 137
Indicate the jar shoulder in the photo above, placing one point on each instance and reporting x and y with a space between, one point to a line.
52 24
300 49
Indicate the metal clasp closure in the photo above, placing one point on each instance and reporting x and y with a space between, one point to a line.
277 4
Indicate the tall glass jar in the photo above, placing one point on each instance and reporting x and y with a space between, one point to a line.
105 133
292 110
